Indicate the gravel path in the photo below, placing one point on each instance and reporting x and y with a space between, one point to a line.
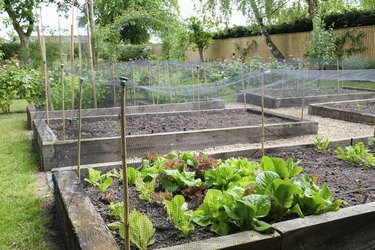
328 128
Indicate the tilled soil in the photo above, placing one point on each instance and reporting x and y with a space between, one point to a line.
162 123
308 92
346 182
368 108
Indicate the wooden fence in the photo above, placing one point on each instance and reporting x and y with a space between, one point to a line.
291 45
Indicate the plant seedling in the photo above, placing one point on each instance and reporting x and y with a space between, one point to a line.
96 178
320 144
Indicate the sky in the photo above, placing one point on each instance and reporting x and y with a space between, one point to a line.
50 19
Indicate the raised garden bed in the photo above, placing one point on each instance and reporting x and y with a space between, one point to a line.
33 113
360 111
313 232
53 152
277 98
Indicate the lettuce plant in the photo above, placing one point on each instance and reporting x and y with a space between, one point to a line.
141 228
179 214
96 178
357 155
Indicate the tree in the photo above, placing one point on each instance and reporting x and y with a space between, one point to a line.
198 35
22 18
260 10
135 21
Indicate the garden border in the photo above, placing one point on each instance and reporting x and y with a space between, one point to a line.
329 109
53 153
283 102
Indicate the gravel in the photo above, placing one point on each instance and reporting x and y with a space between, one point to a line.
328 128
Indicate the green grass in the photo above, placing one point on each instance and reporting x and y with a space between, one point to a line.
18 105
363 85
22 225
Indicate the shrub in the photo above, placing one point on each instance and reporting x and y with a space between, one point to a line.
17 82
132 52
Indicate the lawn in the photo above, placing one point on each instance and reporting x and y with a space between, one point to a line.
22 225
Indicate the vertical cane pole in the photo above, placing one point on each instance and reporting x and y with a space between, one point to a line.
243 87
193 80
262 108
113 85
63 99
123 81
198 99
79 130
303 96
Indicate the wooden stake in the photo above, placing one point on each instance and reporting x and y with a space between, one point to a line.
42 68
262 108
72 75
91 59
193 81
63 99
199 104
303 97
49 95
169 81
79 51
205 78
79 130
243 87
114 85
157 97
133 81
60 38
124 163
150 83
338 75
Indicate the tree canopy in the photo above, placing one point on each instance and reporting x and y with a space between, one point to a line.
135 21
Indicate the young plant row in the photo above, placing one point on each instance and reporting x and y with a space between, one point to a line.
357 155
226 196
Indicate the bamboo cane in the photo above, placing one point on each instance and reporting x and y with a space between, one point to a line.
60 38
124 163
205 77
49 95
91 59
114 85
262 108
198 97
72 75
157 97
79 130
63 99
243 87
42 69
303 97
133 81
169 82
193 80
150 83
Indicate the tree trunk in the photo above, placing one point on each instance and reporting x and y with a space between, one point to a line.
266 37
24 52
92 28
201 54
23 35
313 8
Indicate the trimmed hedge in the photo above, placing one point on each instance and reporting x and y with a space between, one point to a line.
344 19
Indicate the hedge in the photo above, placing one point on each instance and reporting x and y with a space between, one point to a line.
343 19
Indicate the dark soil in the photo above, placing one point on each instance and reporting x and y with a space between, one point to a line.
363 108
347 182
308 92
162 123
